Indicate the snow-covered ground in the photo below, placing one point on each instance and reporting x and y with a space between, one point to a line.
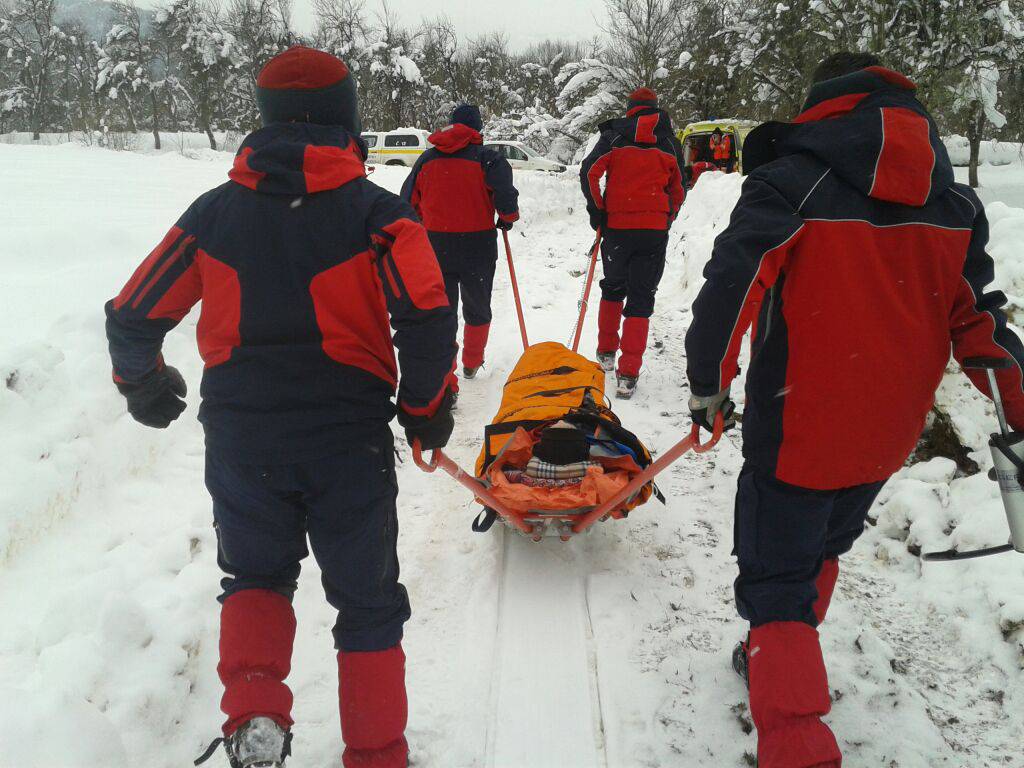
107 555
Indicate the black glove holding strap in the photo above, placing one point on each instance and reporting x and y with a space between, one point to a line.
432 431
502 224
156 400
598 220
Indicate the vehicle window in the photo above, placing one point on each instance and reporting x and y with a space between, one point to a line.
500 149
371 141
401 140
515 153
698 148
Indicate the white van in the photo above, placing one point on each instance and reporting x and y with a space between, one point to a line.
401 147
522 158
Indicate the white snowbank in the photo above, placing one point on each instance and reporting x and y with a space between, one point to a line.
993 151
181 142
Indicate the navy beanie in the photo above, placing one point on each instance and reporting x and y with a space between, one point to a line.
468 115
307 86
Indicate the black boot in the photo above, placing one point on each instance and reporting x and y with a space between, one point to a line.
741 661
626 387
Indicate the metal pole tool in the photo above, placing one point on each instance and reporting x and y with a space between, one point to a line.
1007 467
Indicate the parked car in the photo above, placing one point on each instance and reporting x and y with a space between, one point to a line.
401 147
522 158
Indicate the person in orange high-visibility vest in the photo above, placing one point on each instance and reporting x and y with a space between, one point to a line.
721 149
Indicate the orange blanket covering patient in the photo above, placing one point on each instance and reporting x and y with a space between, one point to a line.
599 484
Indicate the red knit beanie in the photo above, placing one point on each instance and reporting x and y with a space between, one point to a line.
642 97
307 86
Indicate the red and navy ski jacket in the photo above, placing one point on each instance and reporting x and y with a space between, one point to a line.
639 156
859 263
458 185
300 263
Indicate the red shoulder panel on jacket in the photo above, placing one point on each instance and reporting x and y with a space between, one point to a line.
352 314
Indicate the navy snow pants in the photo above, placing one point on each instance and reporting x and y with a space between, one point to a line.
346 505
633 261
468 261
783 534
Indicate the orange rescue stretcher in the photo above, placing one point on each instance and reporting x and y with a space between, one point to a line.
554 387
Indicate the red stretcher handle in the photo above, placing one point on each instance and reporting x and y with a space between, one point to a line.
689 443
439 459
586 291
515 291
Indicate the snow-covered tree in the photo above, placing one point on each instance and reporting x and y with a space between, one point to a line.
204 69
261 30
83 106
126 70
35 46
986 39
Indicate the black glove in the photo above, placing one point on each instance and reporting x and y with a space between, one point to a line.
502 224
703 410
431 431
156 401
597 220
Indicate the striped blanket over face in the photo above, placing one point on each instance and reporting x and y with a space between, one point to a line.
543 470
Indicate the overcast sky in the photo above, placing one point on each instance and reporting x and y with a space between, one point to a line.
523 21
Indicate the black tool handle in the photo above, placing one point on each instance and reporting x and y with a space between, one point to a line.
987 363
952 554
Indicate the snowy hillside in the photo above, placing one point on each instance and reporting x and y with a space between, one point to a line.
107 555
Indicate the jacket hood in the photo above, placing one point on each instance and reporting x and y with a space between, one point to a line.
645 125
452 138
870 129
298 159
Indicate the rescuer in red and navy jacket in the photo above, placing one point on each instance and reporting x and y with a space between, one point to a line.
304 269
640 159
462 190
858 264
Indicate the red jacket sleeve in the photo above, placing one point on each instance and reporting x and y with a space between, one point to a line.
977 325
159 294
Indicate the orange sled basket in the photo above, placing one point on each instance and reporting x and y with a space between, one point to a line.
555 459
